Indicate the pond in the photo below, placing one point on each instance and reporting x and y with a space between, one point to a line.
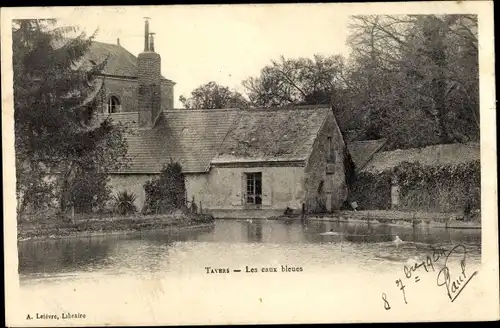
98 268
235 244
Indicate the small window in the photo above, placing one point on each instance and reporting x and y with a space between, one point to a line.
113 105
254 188
330 154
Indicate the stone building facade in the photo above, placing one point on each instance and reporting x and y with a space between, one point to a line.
241 162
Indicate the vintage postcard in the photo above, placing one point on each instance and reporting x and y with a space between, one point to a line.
246 164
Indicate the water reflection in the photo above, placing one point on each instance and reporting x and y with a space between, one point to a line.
148 251
235 243
254 231
60 255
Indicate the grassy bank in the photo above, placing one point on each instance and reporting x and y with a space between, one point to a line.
93 225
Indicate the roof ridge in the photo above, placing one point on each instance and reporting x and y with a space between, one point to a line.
470 143
367 141
255 109
371 140
284 108
199 109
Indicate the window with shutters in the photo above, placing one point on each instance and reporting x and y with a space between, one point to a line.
253 188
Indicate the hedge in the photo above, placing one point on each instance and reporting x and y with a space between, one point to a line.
372 191
443 188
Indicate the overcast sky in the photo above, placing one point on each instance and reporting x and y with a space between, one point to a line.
225 44
229 43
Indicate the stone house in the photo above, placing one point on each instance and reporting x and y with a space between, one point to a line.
238 162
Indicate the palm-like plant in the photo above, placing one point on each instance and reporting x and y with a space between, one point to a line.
124 203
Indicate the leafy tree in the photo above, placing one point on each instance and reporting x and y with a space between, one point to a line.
89 192
295 81
304 81
54 106
409 76
212 96
167 192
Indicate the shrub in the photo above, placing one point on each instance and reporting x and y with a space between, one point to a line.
89 192
167 192
124 203
372 191
34 190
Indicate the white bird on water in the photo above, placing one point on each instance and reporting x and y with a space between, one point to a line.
398 241
249 221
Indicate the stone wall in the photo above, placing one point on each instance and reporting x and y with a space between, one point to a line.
325 181
167 95
124 89
223 188
132 183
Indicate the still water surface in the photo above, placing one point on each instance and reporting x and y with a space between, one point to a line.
236 244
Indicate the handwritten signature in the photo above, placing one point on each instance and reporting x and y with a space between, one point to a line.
454 282
454 285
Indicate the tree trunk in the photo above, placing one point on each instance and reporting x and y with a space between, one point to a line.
437 54
438 95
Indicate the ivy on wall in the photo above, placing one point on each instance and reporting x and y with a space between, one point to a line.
372 191
444 188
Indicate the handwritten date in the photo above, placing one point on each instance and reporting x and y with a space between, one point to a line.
448 276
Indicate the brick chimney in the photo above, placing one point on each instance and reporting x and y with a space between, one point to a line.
149 79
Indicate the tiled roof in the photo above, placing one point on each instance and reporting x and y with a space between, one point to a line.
197 138
362 151
431 155
120 62
190 137
281 134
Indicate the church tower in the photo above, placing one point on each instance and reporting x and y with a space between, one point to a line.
149 80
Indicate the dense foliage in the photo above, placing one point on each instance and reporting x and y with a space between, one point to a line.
372 191
56 141
211 95
417 77
444 188
167 192
411 78
89 192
